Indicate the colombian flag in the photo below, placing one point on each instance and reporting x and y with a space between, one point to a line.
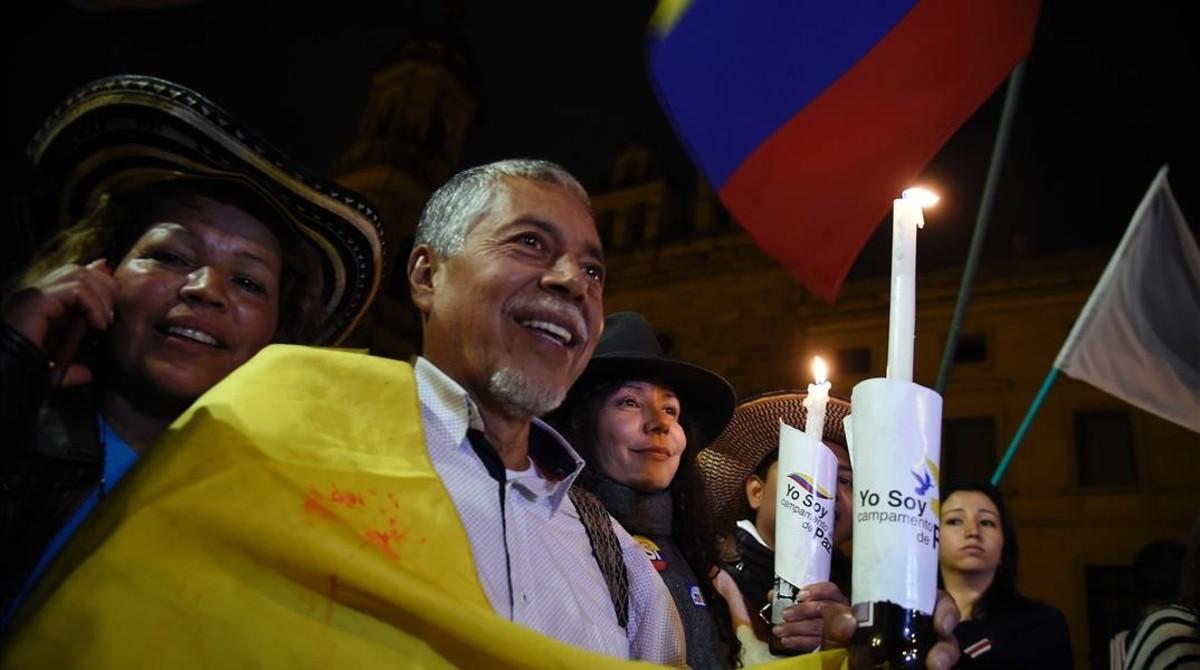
809 117
290 519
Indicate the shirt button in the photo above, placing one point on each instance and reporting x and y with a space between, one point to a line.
525 597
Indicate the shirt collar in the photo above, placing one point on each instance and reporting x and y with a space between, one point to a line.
748 526
551 454
438 391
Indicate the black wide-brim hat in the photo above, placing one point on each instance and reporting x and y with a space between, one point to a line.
132 130
750 436
628 350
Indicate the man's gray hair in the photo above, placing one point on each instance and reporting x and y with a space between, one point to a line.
463 200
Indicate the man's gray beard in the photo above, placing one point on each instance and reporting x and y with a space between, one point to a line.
523 396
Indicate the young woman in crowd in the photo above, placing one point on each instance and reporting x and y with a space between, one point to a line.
1000 628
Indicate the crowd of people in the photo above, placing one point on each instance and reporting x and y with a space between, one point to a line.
599 492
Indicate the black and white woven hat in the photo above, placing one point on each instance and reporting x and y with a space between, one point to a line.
752 433
132 129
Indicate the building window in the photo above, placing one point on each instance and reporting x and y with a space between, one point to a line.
637 222
972 348
854 361
631 166
1104 448
968 449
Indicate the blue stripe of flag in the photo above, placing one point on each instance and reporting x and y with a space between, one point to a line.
731 73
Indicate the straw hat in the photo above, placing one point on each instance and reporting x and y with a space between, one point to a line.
133 130
750 436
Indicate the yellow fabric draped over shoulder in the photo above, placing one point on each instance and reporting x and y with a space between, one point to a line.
291 518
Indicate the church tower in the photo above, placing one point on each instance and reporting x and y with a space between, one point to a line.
409 142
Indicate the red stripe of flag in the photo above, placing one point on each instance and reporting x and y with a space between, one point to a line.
812 194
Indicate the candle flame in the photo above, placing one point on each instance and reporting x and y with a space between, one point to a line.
923 197
820 370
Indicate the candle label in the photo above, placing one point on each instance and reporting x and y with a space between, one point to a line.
897 446
806 488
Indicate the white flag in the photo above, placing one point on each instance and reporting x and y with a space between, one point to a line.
1138 337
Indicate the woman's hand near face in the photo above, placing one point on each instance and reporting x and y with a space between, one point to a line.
48 312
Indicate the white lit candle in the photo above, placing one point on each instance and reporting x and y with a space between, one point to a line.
815 401
906 218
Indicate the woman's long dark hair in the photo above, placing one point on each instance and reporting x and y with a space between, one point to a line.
691 525
1002 593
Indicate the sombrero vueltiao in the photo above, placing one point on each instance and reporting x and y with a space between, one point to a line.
750 436
134 129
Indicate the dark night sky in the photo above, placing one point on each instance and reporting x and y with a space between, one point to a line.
1102 108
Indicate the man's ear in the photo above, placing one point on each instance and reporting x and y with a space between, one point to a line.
422 266
754 491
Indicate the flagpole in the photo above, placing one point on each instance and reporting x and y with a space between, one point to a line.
983 218
1024 428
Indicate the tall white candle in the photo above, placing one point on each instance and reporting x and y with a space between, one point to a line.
816 400
906 218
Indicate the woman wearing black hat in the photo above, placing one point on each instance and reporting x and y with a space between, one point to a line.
187 245
639 418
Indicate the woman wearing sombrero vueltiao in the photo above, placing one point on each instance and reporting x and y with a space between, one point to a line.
185 245
639 418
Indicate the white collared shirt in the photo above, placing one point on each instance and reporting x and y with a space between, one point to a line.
748 526
540 546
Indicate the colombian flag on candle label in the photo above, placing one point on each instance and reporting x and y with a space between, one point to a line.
804 511
806 482
897 451
808 117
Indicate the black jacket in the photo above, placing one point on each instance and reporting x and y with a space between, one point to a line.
1022 634
753 570
51 457
648 517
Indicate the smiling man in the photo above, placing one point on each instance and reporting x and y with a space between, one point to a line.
508 274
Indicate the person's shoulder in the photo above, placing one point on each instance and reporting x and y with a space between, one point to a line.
1166 622
1033 612
1043 610
1163 638
1173 616
1021 616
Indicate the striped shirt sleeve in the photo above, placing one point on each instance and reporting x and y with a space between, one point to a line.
1165 640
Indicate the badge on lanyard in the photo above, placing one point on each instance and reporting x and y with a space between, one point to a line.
697 597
